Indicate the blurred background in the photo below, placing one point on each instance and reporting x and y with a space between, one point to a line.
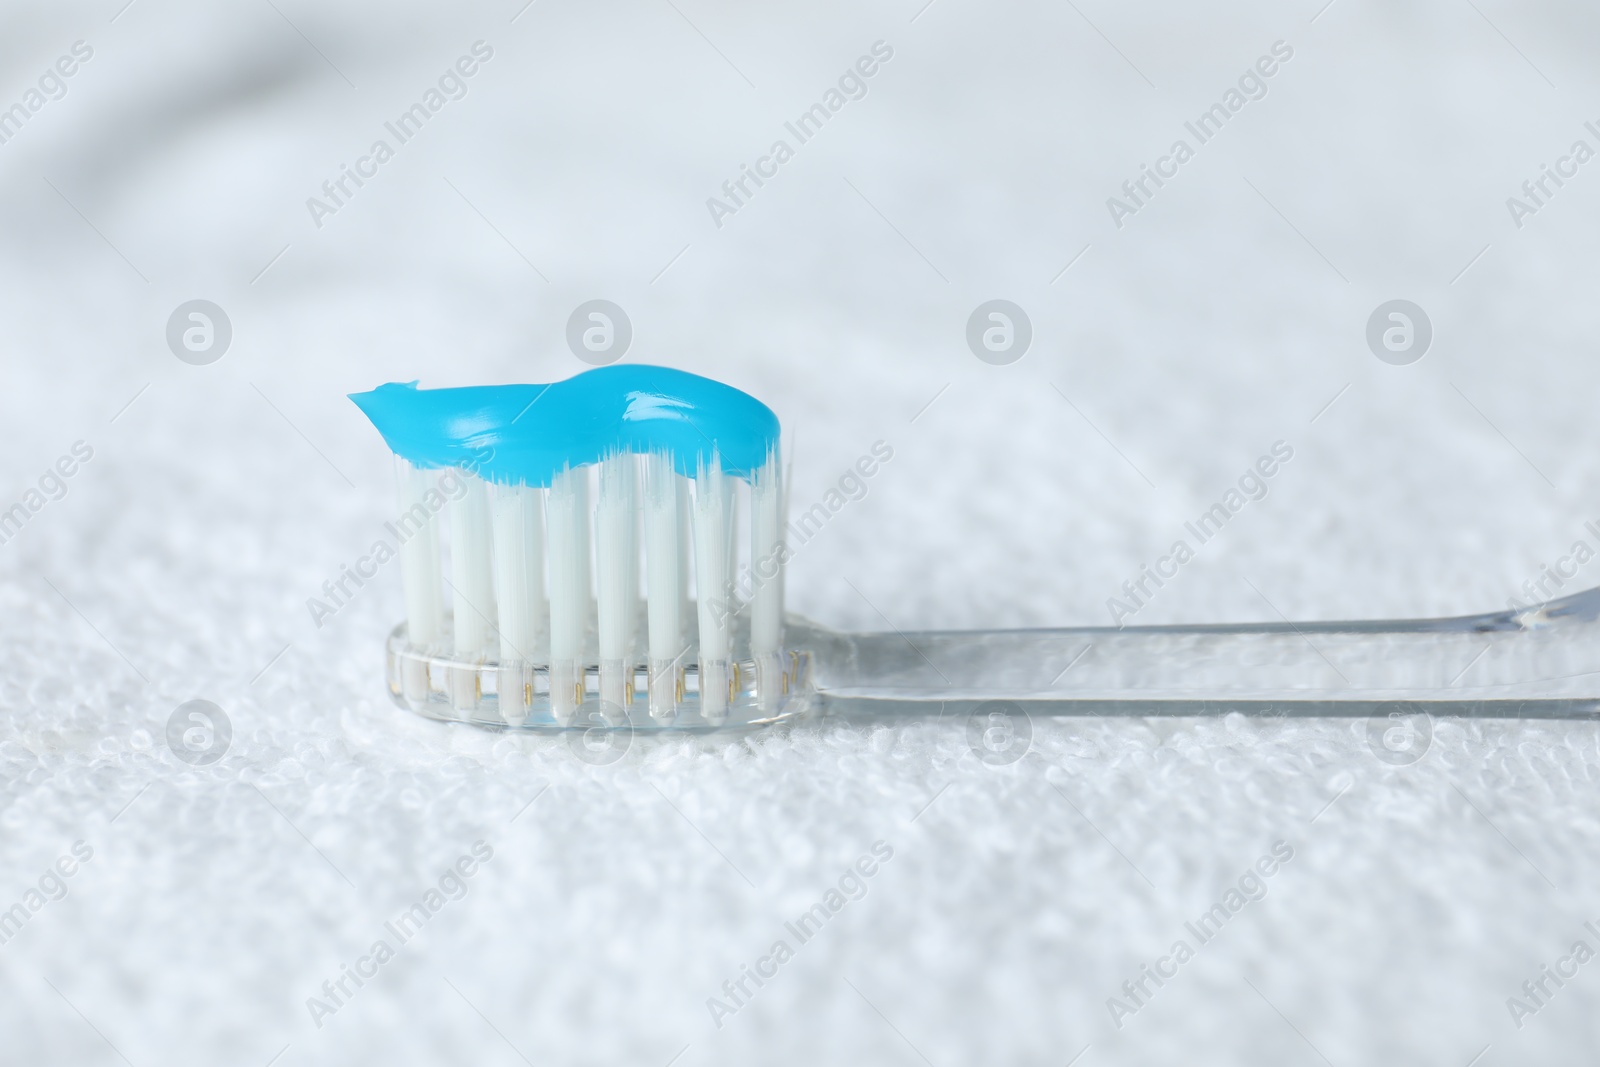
160 152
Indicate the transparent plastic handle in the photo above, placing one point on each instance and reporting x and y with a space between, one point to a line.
1541 663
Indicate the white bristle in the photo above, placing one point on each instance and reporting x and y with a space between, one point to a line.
616 575
419 556
519 591
712 502
685 548
548 580
635 576
417 528
664 571
585 489
472 582
470 574
766 582
568 547
730 537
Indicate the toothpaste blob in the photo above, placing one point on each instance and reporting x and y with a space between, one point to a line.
528 434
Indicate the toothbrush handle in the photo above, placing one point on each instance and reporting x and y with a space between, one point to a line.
1533 664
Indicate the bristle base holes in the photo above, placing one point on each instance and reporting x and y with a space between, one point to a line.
771 680
566 691
614 685
513 692
665 686
534 695
716 684
409 679
466 685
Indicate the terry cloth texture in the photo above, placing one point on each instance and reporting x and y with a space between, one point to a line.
535 908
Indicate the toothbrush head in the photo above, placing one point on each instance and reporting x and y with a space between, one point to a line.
577 516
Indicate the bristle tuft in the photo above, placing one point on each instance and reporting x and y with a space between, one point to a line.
546 586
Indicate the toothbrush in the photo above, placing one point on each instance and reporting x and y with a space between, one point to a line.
531 637
578 515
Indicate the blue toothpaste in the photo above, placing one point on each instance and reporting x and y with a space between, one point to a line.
529 433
